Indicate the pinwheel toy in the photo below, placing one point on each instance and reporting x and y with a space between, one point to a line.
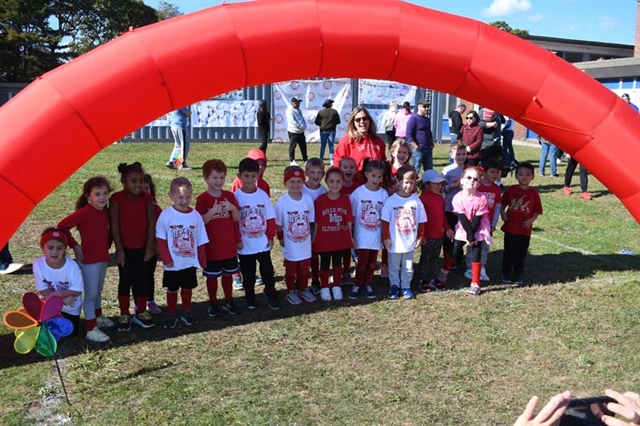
38 324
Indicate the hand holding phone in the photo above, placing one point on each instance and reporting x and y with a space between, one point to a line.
585 402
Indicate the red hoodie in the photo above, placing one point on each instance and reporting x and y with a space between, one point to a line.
255 154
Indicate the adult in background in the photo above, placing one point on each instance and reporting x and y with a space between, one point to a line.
627 99
181 140
361 140
296 125
455 121
584 179
7 266
491 123
420 137
509 162
471 134
401 119
387 122
264 124
328 119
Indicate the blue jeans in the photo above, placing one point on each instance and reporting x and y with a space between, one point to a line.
422 156
327 137
508 155
548 150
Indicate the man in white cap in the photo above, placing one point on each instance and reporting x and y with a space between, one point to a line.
296 125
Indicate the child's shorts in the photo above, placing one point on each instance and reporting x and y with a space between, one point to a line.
184 278
215 268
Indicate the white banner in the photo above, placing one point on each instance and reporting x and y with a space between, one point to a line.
312 93
382 92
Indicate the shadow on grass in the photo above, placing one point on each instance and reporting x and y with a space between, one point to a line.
547 269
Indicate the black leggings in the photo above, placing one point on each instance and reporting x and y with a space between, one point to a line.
515 252
474 251
571 168
133 275
328 258
452 219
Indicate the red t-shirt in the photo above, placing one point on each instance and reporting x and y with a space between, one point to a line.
331 218
372 148
94 227
222 230
133 218
156 211
493 195
348 190
521 205
436 219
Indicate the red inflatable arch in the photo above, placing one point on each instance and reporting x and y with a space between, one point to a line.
65 117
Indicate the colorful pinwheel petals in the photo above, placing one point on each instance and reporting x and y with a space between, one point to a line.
38 324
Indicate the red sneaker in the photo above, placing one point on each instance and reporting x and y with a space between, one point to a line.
586 196
566 190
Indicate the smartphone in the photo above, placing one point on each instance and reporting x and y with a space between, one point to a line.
583 402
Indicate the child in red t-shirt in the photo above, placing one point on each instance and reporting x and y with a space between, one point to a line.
521 206
435 228
491 191
133 229
351 182
334 221
91 218
220 212
150 188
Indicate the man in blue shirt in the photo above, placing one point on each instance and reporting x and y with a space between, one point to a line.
180 130
626 97
420 137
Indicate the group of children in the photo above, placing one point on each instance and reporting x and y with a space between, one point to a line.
318 227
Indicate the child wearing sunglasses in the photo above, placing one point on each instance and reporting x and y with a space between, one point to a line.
472 229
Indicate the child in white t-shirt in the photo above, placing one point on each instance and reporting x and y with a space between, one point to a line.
403 219
314 169
294 217
366 203
56 274
181 242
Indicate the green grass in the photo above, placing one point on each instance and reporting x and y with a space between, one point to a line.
440 359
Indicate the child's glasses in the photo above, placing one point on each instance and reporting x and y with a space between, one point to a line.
475 179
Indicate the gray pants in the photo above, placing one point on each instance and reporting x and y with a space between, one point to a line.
401 269
180 143
93 277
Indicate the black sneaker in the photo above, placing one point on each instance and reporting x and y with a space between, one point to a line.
273 300
171 166
213 310
230 307
315 286
171 322
187 318
143 319
250 304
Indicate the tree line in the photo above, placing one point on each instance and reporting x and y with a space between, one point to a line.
36 36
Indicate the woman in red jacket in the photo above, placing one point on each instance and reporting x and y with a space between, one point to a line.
471 135
361 140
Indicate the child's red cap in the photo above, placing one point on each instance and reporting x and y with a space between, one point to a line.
54 234
293 173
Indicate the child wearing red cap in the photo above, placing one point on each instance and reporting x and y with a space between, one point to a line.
294 218
56 274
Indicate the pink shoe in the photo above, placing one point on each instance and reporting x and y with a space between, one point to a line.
153 308
586 196
566 190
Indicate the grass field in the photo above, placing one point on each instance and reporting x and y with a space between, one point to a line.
441 359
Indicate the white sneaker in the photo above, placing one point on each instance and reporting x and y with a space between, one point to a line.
325 294
96 335
104 322
468 274
307 296
293 298
337 293
293 163
484 276
237 283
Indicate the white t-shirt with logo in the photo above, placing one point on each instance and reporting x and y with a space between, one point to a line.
184 233
404 215
255 210
367 206
295 218
68 277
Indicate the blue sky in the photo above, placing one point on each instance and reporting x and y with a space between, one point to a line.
610 21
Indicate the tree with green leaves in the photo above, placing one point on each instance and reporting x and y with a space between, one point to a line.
167 10
38 35
504 26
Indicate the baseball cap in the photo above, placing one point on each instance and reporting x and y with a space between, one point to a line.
294 99
432 176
